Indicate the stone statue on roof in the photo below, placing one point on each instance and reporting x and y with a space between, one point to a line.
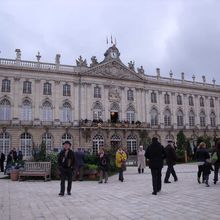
81 62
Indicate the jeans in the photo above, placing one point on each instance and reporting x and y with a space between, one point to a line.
121 178
170 170
66 173
103 173
156 179
216 169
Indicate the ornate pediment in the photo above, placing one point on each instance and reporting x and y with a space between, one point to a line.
114 69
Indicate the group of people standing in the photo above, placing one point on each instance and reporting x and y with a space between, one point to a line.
12 158
154 154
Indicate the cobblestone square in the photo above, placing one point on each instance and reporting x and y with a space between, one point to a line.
130 200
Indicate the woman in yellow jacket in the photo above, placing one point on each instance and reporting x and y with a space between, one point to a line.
120 160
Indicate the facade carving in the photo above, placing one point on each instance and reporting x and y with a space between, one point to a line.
106 104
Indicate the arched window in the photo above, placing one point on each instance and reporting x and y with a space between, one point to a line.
132 144
6 85
179 118
26 111
47 114
212 103
166 99
48 140
154 117
191 119
66 90
167 118
202 119
153 97
5 110
130 114
97 143
169 137
130 95
191 101
4 143
66 112
201 101
179 100
213 119
97 111
115 141
26 144
114 112
66 137
47 89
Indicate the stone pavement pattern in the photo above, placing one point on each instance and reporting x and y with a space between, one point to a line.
130 200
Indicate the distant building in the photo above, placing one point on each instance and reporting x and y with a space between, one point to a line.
105 104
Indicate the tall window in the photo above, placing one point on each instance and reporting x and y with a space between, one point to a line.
191 119
202 119
130 95
212 103
47 89
66 137
66 90
179 118
166 99
97 92
179 100
115 141
4 143
47 114
26 144
130 114
153 97
6 85
26 111
48 140
97 143
132 144
201 101
212 119
97 111
27 87
191 101
5 110
66 112
154 117
167 118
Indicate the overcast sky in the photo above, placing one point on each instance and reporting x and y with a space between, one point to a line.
177 35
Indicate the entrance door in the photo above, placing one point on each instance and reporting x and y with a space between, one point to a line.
114 117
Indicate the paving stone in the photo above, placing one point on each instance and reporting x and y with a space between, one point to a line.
132 199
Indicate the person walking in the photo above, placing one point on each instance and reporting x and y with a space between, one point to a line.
217 162
120 161
207 171
171 159
201 155
103 162
66 160
2 160
79 164
141 159
155 153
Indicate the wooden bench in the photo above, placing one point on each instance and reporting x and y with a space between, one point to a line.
36 169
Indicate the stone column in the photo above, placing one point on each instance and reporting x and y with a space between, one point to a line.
123 103
173 109
160 108
16 101
197 110
185 111
76 97
37 92
106 103
57 93
207 110
147 100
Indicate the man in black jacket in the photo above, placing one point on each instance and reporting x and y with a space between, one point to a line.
171 159
2 159
155 154
66 160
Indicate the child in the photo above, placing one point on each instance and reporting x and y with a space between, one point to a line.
207 170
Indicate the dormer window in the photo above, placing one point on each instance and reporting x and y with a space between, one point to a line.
130 95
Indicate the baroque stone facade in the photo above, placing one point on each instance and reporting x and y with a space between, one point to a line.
105 104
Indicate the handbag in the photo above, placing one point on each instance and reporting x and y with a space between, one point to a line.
214 157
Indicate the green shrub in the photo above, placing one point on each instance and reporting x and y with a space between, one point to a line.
52 156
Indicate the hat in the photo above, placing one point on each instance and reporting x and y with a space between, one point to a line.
67 142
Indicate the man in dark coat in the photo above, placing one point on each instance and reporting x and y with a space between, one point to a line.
171 159
66 160
155 153
2 159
